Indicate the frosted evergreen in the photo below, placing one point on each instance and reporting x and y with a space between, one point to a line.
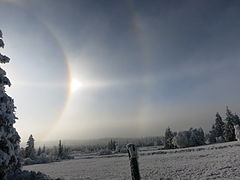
229 131
30 150
168 144
9 138
219 126
192 137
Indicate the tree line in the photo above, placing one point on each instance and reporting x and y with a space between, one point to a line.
30 155
223 130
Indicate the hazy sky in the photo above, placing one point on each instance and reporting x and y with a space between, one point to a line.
96 68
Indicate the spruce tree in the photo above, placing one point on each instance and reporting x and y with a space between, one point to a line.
44 149
9 138
39 152
212 135
197 137
60 150
229 131
30 150
230 117
219 126
168 139
112 145
237 120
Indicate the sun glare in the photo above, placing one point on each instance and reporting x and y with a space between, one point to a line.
75 85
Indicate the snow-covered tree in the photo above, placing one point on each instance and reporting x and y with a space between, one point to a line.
197 137
39 152
217 133
111 145
168 143
30 150
229 115
192 137
237 132
236 119
212 135
219 126
44 149
9 138
60 150
229 131
181 140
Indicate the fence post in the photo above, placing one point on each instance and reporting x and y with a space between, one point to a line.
133 157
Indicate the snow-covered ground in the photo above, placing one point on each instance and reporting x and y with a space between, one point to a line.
219 161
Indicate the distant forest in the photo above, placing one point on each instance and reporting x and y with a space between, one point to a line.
223 130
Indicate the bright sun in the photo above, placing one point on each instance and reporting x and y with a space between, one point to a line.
75 85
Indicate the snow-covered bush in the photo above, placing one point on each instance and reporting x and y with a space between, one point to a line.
192 137
9 138
220 139
105 152
181 139
29 161
237 132
123 149
28 175
42 159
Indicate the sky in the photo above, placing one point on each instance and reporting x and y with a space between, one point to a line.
86 69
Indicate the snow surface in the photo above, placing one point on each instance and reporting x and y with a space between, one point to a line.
219 161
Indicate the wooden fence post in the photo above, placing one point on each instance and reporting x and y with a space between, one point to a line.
133 157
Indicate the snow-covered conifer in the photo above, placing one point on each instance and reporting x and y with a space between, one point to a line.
219 126
197 137
60 150
39 151
237 119
112 145
230 117
192 137
181 140
212 135
168 139
30 150
9 138
43 149
229 131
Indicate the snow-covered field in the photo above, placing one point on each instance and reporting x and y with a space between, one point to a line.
219 161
